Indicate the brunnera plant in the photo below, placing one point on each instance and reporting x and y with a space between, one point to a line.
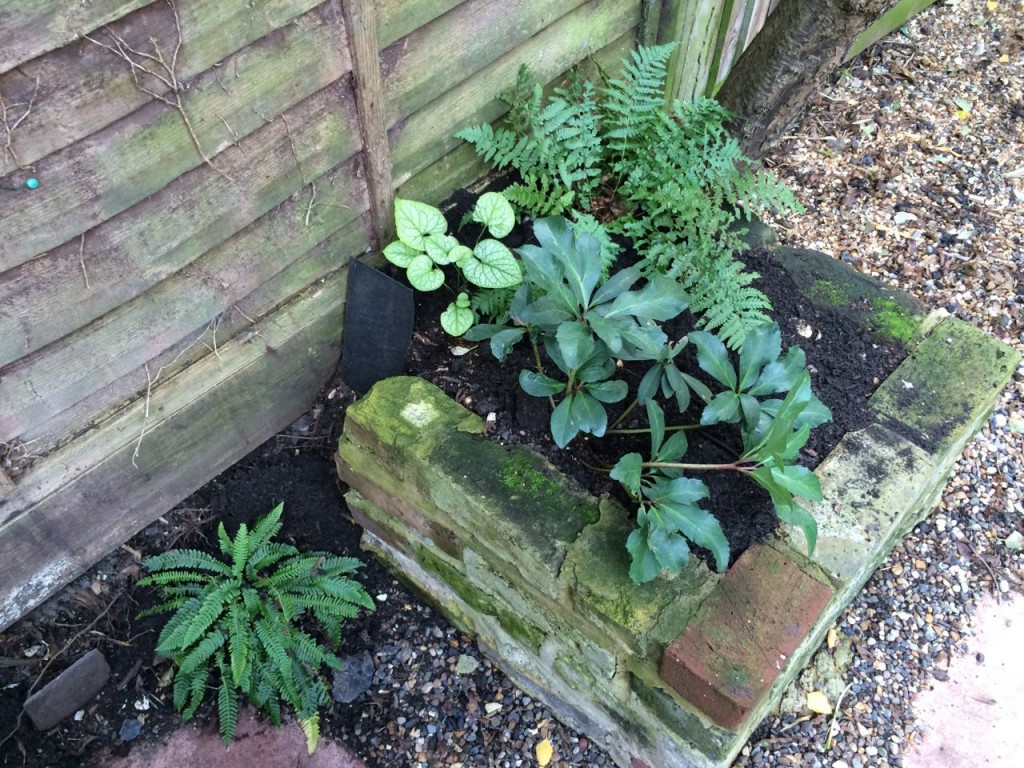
583 327
423 247
241 622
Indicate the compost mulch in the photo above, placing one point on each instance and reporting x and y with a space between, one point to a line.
434 699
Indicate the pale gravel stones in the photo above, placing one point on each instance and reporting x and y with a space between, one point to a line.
892 138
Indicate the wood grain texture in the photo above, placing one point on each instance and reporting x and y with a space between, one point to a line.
361 25
427 135
727 45
81 88
108 172
85 500
454 47
197 305
202 340
132 253
695 27
30 28
398 18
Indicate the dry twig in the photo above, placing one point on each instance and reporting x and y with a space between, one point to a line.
10 123
165 71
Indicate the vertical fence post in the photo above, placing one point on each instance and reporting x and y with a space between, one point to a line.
361 28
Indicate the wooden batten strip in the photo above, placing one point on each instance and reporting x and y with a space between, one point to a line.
595 28
361 26
98 177
695 26
66 104
33 27
83 501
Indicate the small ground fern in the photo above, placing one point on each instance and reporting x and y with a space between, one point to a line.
238 622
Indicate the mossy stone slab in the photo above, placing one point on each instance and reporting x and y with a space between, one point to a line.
940 395
871 482
644 617
891 314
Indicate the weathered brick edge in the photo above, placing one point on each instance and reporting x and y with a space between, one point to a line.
538 572
732 651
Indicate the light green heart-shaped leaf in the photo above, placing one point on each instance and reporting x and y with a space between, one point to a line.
423 274
415 221
400 254
492 265
442 249
458 318
495 212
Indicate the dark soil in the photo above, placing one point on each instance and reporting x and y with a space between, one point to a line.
846 362
418 711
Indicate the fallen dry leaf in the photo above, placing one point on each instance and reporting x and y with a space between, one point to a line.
544 753
818 702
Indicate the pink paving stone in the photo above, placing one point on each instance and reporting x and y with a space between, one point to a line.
733 650
257 744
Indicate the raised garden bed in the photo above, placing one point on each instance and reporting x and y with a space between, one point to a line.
673 672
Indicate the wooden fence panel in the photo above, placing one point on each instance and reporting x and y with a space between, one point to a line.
196 228
30 28
126 255
67 105
425 136
108 172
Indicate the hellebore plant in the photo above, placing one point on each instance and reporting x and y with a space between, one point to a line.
585 326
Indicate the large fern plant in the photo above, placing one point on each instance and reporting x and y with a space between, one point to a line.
242 623
667 175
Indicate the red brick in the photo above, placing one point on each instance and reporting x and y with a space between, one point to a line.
743 635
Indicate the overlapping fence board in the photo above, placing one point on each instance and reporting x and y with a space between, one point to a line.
128 254
112 170
67 105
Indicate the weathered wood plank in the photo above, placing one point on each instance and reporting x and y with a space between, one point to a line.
361 25
726 45
30 28
84 501
112 170
196 304
426 136
399 18
312 266
757 19
81 88
443 53
695 27
125 256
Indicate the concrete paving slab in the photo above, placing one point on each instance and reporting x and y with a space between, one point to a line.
973 720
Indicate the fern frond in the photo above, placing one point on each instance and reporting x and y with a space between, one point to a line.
199 656
634 103
208 611
223 540
185 559
196 692
164 578
240 550
266 528
311 727
267 555
167 605
227 706
239 642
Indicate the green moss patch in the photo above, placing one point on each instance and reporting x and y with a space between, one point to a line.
891 321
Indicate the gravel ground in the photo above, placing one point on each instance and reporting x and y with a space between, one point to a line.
912 169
